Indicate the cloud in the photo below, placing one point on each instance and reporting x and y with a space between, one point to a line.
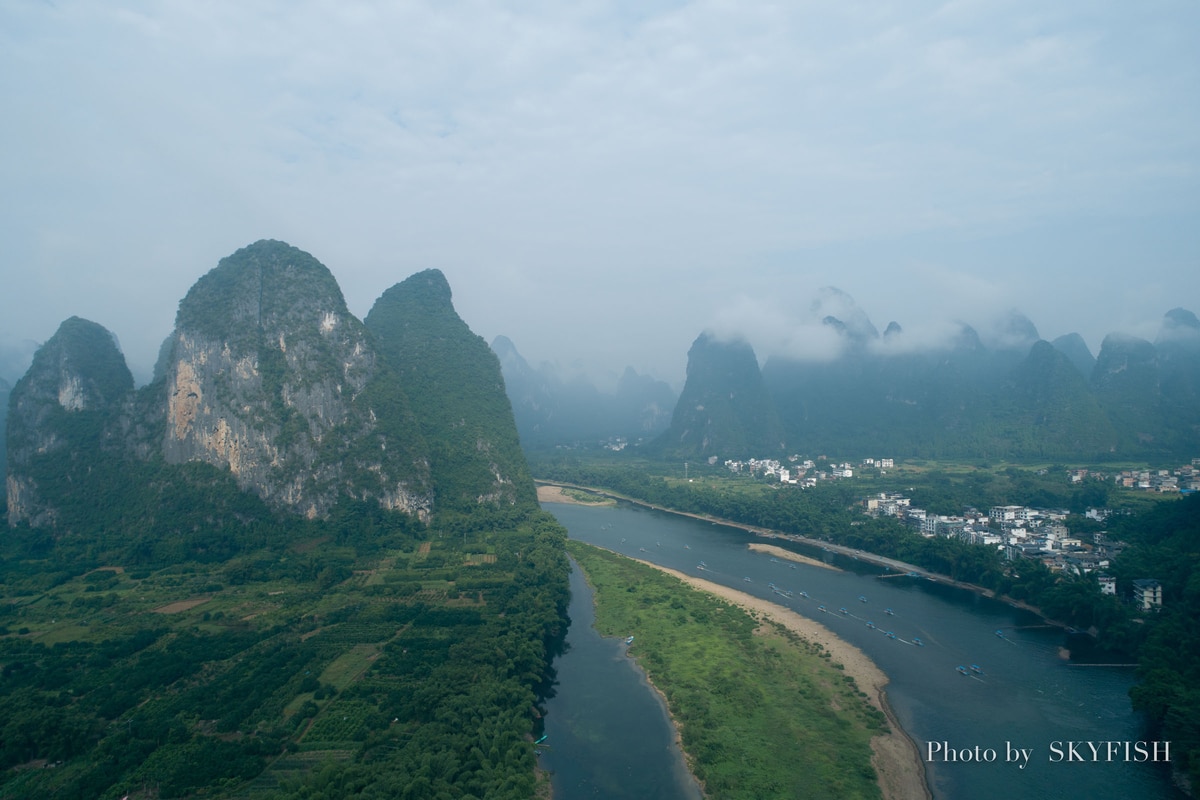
596 179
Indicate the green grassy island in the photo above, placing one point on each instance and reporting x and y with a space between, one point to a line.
761 711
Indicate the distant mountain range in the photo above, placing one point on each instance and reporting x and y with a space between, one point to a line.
268 394
552 410
1015 397
1021 398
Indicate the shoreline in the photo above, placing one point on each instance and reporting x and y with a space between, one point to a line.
555 490
896 758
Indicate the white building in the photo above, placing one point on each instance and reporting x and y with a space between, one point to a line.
1147 594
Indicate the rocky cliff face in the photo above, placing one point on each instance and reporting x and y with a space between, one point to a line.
271 380
62 407
267 376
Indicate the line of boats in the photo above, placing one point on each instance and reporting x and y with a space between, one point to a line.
972 670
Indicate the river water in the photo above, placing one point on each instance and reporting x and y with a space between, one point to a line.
610 737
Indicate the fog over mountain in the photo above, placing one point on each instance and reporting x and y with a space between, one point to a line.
602 182
1004 393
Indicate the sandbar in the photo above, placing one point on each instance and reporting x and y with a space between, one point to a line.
897 760
556 494
790 556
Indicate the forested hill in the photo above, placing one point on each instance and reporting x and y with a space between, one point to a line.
268 378
725 407
1017 398
456 389
306 561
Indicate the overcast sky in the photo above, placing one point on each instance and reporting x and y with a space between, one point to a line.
601 181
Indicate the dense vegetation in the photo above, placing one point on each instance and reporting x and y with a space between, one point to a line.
1163 538
1167 546
724 406
365 656
454 385
763 713
1020 399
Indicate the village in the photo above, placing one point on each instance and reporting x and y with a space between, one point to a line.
1017 531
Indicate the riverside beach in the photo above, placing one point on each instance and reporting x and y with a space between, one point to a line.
896 757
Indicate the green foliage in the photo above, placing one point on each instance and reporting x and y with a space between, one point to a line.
290 649
725 407
762 714
1163 538
1164 546
252 288
453 382
970 402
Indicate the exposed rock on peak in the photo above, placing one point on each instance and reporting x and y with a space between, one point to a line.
838 310
267 376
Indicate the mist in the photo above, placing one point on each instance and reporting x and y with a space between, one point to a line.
602 183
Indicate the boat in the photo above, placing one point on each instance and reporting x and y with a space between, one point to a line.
978 670
1000 633
703 564
791 566
917 641
891 635
862 598
821 608
629 640
747 580
843 610
889 611
804 595
871 625
962 670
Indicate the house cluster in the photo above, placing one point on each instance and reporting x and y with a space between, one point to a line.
1021 532
1181 479
804 472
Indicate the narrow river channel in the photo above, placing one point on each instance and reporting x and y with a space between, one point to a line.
1022 696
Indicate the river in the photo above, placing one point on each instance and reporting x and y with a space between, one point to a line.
1024 698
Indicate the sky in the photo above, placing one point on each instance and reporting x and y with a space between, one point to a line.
603 181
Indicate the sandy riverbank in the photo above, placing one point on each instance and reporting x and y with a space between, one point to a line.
896 759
